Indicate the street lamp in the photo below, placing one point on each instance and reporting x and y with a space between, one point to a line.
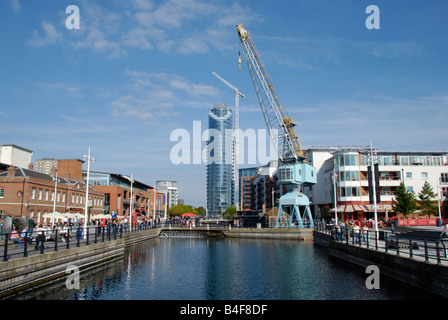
372 160
89 159
54 197
335 197
438 203
131 180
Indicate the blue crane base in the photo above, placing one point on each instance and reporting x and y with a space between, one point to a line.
291 203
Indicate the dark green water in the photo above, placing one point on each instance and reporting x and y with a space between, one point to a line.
225 269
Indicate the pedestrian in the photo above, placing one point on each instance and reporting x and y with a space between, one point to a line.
14 237
64 232
40 238
356 232
31 225
25 235
444 237
338 232
365 232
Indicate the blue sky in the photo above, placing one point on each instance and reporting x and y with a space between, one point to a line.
137 70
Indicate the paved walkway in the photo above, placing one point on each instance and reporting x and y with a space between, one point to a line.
411 249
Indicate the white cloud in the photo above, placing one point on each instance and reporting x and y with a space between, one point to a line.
15 5
169 26
51 36
150 96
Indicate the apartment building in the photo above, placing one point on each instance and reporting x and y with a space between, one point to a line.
344 170
169 188
13 155
119 192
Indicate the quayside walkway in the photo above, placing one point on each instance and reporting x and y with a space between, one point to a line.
423 245
417 257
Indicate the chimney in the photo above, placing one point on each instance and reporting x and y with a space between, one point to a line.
31 167
53 172
11 171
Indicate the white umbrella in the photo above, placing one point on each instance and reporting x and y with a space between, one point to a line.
57 215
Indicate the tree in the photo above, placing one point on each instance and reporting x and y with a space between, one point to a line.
405 201
180 209
230 212
425 201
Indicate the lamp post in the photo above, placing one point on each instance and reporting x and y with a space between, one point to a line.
131 201
372 160
155 190
54 197
89 159
438 204
335 197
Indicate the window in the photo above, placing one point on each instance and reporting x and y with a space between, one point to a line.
410 189
40 194
33 193
444 178
424 175
408 175
2 193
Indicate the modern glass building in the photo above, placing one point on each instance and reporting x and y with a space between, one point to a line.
220 160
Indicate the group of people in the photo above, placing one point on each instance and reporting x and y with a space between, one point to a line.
39 236
350 228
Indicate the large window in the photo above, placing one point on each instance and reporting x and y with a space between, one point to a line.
349 192
348 159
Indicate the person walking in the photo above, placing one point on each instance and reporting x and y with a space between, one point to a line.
31 226
40 238
365 233
356 233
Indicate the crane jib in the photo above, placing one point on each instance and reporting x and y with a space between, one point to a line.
288 144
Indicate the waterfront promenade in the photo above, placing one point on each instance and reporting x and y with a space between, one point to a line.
415 248
417 243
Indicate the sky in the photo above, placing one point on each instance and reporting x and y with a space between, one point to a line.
137 70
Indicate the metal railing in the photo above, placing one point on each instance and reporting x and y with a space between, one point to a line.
53 239
425 249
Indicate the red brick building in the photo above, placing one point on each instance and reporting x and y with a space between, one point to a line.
24 192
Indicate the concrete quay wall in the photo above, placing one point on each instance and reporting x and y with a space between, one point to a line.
23 273
276 233
426 276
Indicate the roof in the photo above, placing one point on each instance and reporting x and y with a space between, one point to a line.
123 177
16 146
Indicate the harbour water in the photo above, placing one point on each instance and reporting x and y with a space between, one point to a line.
225 269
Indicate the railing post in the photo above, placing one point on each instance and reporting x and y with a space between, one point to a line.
68 239
25 242
87 235
376 240
5 251
426 251
56 240
410 247
398 245
385 242
437 251
367 239
78 236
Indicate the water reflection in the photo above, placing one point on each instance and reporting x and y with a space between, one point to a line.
215 269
